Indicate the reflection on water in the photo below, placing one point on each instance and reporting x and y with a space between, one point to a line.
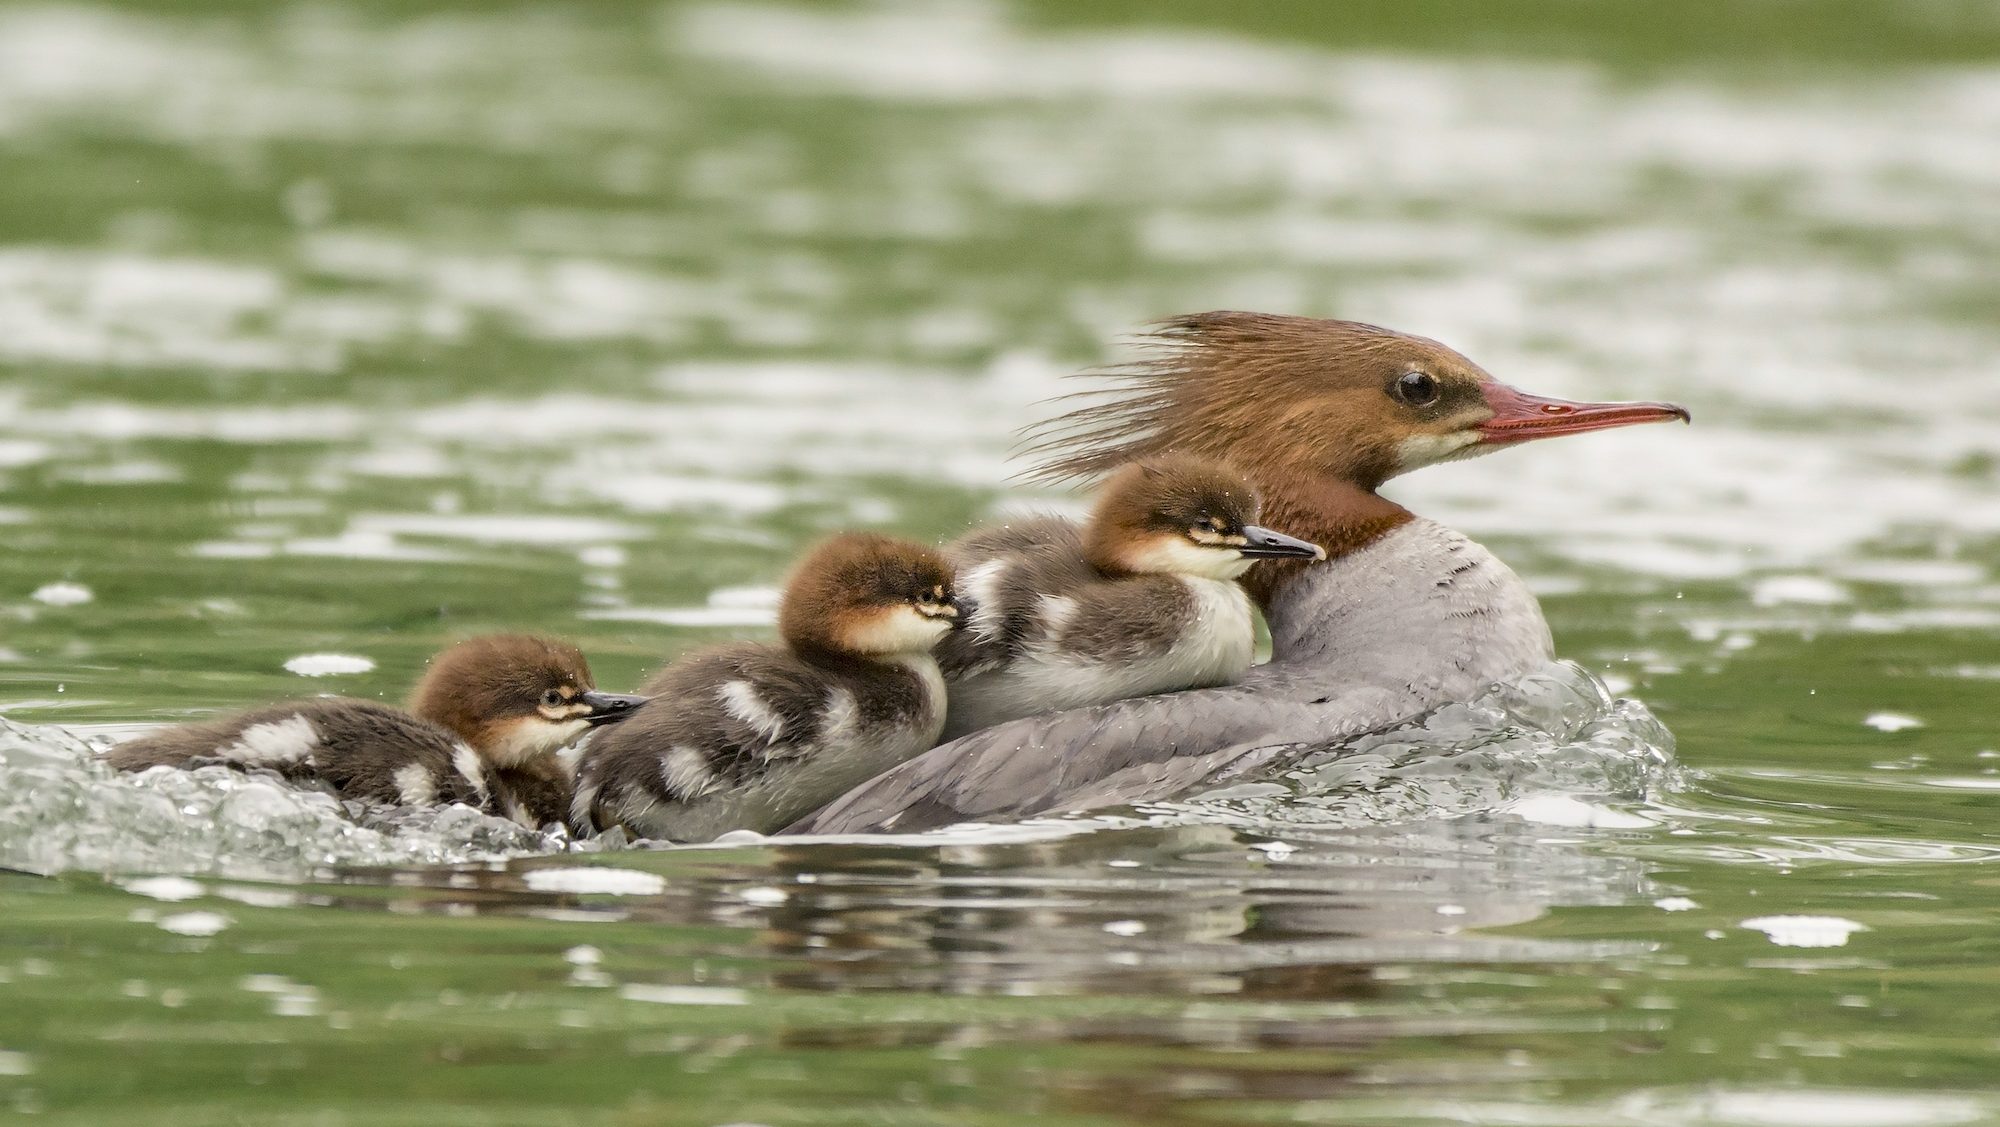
338 330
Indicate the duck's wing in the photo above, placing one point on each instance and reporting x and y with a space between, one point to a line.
1007 573
1138 750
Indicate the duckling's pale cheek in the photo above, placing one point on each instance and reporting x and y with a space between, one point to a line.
901 630
1178 555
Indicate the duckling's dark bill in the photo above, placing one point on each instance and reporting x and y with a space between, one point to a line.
609 708
1268 545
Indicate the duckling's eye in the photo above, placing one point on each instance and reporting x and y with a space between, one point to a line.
551 699
1418 389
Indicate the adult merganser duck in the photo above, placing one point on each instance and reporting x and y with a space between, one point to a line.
751 736
1141 599
1406 615
483 727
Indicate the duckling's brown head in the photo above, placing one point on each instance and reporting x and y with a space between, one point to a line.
862 594
1176 514
513 697
1297 399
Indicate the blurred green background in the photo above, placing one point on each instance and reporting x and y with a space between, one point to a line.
353 327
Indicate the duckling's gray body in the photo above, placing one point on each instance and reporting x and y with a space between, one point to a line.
484 728
1048 631
753 736
357 749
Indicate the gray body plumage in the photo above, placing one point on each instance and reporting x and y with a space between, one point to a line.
1419 618
1049 632
357 749
752 736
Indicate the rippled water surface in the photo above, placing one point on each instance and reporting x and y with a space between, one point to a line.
332 331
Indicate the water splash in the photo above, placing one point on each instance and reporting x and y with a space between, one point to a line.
1557 734
61 810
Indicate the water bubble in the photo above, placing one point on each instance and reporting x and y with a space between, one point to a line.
595 881
198 924
684 995
1892 722
1805 931
328 665
62 594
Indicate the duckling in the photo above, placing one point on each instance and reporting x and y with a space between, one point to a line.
751 736
1141 599
483 727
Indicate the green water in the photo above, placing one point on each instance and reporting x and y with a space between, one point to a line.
352 328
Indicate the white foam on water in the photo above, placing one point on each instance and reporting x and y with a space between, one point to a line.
196 924
595 882
1554 748
684 995
1892 722
329 665
1805 931
1562 810
63 594
166 888
63 810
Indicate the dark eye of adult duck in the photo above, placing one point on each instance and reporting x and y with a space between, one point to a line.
1402 616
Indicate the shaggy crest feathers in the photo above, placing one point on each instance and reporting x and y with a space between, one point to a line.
1224 383
1296 403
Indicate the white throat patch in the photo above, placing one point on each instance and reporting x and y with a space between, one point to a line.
531 736
1420 450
